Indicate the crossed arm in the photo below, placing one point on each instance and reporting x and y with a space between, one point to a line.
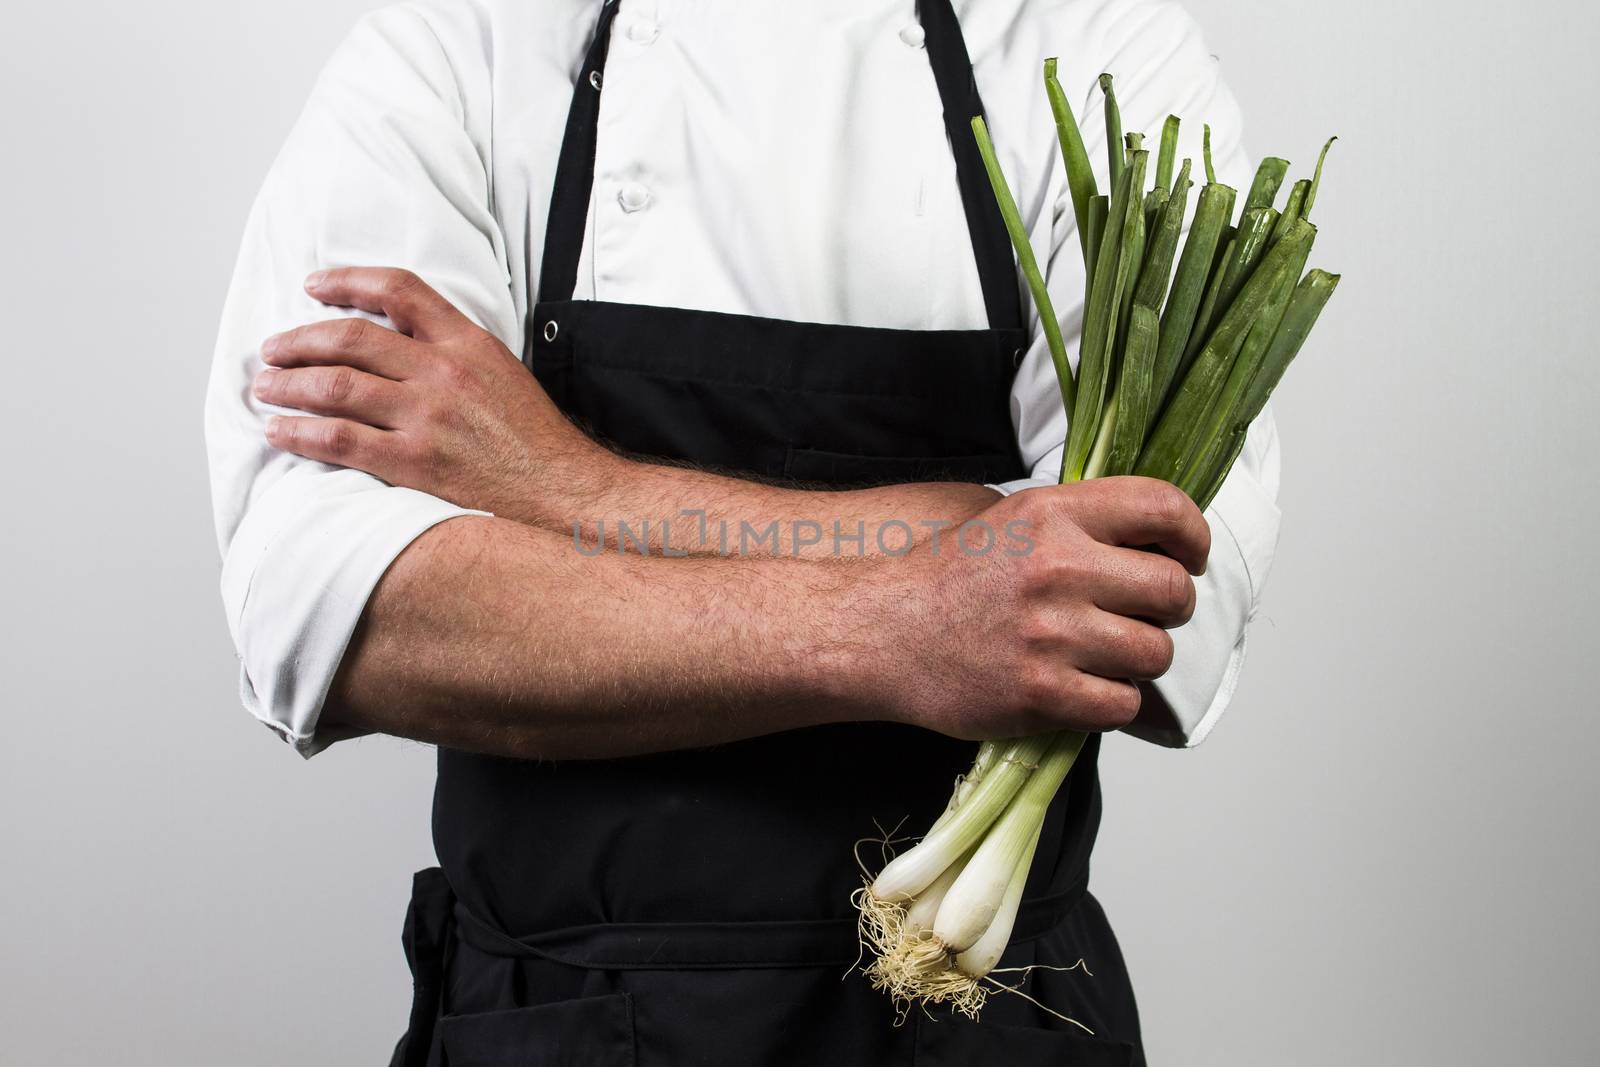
498 635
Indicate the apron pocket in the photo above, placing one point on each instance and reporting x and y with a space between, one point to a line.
842 468
586 1032
954 1042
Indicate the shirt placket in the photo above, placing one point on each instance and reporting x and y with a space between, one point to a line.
633 176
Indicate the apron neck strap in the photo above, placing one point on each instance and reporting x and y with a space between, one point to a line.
569 198
958 93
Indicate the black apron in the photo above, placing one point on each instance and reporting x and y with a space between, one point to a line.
692 908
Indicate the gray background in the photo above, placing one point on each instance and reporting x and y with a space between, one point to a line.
1386 855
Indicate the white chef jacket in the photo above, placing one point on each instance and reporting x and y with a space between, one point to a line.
759 157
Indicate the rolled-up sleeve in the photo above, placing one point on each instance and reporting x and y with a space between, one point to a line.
385 167
1163 66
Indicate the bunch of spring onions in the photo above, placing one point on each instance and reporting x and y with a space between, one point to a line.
1178 356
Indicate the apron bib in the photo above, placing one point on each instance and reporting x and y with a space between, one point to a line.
692 908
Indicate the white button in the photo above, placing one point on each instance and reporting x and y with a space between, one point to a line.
642 31
633 197
913 35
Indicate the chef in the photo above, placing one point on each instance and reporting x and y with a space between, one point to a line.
726 274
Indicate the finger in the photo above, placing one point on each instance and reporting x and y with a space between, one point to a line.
1098 704
411 303
340 442
1114 646
1136 512
351 342
342 391
1062 696
1145 586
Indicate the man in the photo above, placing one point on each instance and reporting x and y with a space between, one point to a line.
774 326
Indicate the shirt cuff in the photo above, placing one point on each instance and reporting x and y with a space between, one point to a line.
296 579
1007 488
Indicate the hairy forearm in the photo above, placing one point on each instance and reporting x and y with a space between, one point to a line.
660 509
495 636
492 636
512 635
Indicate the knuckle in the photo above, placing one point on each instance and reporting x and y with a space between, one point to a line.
440 418
1078 567
1028 507
1035 568
1038 631
456 375
284 433
425 455
1179 592
1143 651
490 344
1088 702
350 334
1056 503
338 384
398 282
1055 569
338 440
1158 654
1118 705
1068 571
1167 504
1106 494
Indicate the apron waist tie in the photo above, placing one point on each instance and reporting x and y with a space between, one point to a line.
719 945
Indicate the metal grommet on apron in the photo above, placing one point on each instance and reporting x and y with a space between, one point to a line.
694 906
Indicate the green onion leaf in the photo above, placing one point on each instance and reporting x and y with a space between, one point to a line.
1167 230
1074 155
1169 152
1243 253
1099 208
1101 317
1113 131
1133 252
1167 453
1133 391
1293 209
1030 266
1220 469
1211 214
1316 179
1210 436
1269 179
1310 297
